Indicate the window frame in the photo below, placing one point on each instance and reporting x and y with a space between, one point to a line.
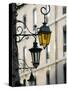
24 20
64 9
64 73
34 18
64 39
48 77
47 53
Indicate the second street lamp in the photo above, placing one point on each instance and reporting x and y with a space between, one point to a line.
32 80
35 53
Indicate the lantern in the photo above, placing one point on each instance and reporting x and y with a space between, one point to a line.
32 80
35 53
44 35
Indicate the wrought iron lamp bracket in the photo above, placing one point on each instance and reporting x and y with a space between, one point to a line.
30 33
27 68
22 33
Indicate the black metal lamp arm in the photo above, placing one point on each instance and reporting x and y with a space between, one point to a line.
31 34
28 67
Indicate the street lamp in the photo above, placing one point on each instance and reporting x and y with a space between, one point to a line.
35 53
32 79
44 35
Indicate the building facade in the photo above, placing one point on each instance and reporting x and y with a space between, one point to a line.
52 67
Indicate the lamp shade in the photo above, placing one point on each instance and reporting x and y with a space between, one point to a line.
44 35
35 53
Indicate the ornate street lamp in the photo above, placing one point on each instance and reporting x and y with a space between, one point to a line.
32 80
35 53
44 33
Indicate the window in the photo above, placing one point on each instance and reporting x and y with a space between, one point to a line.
64 38
34 18
47 53
48 77
24 53
64 72
24 20
64 10
24 82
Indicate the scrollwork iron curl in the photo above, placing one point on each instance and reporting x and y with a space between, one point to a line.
20 34
18 29
45 9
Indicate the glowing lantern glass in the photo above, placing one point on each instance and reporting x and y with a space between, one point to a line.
44 35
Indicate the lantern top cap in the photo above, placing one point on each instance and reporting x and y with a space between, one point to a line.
35 48
44 28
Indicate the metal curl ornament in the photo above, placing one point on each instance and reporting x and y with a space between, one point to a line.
21 33
25 67
18 29
46 12
45 9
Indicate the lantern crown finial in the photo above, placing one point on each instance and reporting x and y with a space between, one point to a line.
35 44
44 28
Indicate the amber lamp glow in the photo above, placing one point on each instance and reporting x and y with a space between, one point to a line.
44 35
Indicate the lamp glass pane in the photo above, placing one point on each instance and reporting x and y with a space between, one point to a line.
48 38
32 54
36 59
44 39
40 39
38 56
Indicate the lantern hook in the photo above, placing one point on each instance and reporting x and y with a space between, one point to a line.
44 8
46 12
